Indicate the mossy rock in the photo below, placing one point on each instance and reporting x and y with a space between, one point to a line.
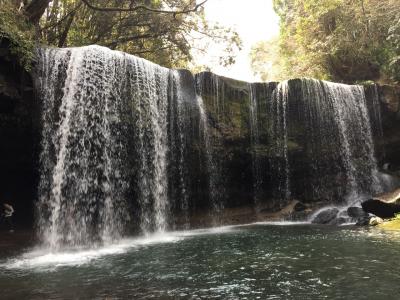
393 224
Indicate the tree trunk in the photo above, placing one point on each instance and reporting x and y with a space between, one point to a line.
35 9
64 35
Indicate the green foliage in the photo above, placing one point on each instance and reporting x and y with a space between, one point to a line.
164 38
341 40
161 31
19 33
394 40
265 60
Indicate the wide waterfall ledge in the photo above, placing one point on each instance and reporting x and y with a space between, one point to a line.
130 147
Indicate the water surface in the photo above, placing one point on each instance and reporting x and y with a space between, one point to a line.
260 261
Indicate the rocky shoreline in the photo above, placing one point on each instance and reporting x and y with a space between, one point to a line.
378 210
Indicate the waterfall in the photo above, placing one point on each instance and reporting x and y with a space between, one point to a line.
118 140
211 141
129 145
184 120
280 170
96 103
148 91
254 141
338 140
178 144
82 184
260 114
326 125
374 108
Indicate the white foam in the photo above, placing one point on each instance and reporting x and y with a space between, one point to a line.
281 223
205 231
45 258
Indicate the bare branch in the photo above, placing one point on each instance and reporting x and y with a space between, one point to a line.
134 37
73 11
153 50
143 7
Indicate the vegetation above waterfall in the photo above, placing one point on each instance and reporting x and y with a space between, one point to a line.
164 32
340 40
18 32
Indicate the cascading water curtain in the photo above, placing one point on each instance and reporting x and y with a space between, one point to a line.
215 93
104 135
120 136
182 136
338 141
82 186
260 114
280 170
336 135
148 91
255 142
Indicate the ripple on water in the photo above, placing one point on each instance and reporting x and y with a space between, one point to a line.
236 262
45 259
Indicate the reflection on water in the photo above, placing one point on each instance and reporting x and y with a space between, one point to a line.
235 262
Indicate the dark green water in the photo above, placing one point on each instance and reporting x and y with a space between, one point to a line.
249 262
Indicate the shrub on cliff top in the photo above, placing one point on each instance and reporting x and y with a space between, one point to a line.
18 32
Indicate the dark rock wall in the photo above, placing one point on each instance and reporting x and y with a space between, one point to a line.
18 136
384 109
390 143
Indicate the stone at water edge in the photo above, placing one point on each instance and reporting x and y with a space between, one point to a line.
375 221
356 212
381 209
338 221
363 221
385 206
326 216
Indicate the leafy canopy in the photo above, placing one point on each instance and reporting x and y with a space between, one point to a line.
162 31
341 40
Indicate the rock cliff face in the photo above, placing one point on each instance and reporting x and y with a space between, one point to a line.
269 143
388 143
19 135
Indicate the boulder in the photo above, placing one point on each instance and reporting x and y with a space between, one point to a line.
375 221
380 208
338 221
364 221
326 216
356 212
390 197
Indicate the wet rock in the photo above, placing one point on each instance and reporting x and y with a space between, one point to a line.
338 221
19 135
299 206
356 212
375 221
364 221
326 216
380 208
390 197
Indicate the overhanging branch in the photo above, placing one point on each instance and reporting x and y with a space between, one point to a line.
143 7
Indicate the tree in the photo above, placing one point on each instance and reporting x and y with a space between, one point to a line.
341 40
265 60
35 9
159 30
